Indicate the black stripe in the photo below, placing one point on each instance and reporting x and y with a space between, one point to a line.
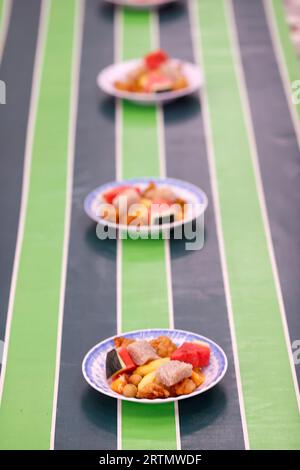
212 421
16 71
86 419
278 151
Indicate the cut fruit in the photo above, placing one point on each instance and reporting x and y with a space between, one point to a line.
149 378
155 59
118 361
129 364
197 354
155 82
153 365
198 378
112 193
113 363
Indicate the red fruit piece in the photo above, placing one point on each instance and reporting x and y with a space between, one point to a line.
110 195
129 364
155 59
197 354
155 83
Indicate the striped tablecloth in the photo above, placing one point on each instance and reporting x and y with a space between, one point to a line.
62 290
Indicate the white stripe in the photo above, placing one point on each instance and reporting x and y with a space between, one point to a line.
77 48
118 41
155 41
258 179
282 65
4 25
197 48
36 81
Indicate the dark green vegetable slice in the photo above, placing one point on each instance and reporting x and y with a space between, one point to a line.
113 363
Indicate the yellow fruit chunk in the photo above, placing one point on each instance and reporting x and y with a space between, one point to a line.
153 365
149 378
198 378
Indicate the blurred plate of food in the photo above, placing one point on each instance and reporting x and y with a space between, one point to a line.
145 204
152 80
141 4
155 365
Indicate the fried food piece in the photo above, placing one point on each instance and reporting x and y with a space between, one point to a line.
163 346
122 342
185 387
152 391
122 86
180 83
149 190
135 379
130 391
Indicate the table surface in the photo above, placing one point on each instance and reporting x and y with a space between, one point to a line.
62 290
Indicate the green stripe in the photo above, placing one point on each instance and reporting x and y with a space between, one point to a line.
26 409
289 52
144 284
270 403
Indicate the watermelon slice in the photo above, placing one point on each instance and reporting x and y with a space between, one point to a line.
130 365
197 354
110 195
156 83
155 59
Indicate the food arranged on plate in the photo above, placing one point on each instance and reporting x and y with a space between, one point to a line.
156 369
146 205
154 366
153 205
156 73
141 4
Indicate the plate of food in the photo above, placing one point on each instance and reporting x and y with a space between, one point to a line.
141 4
155 365
156 78
145 204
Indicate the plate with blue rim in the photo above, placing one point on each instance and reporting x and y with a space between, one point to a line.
194 196
93 366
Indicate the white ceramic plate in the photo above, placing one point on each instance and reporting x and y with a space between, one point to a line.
93 366
119 71
194 196
141 4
